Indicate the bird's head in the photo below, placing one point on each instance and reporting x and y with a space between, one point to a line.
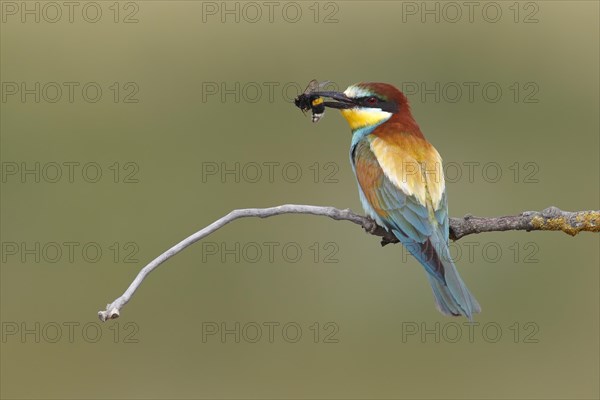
367 105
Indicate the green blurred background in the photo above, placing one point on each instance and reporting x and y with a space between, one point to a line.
542 291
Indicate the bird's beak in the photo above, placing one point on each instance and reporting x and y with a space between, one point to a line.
341 100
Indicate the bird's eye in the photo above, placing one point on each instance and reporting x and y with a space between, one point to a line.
372 100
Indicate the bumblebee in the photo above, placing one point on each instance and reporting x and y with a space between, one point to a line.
309 101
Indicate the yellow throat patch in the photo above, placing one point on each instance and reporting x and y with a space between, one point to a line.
362 117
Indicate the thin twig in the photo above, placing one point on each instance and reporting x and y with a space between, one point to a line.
550 219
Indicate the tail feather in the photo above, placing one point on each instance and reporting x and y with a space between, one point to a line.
451 294
459 292
444 301
453 298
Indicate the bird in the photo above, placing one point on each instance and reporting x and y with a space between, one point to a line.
401 184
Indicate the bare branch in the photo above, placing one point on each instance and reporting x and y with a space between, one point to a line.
550 219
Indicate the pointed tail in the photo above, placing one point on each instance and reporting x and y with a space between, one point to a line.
452 296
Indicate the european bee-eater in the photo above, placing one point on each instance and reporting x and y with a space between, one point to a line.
401 184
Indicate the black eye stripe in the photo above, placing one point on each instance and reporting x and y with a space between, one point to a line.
385 105
366 99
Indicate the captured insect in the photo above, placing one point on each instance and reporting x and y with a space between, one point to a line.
307 101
